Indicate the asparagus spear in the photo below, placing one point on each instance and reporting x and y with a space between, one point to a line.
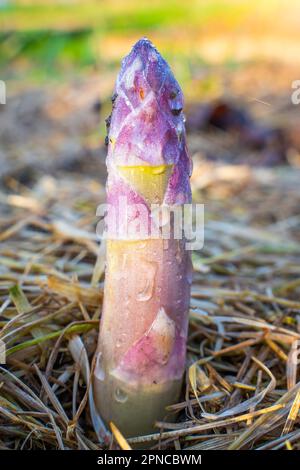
142 342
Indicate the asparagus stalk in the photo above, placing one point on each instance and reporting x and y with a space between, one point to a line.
142 341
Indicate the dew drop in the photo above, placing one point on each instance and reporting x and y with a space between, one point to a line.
164 216
178 254
159 170
120 395
99 371
149 272
166 244
147 292
189 276
121 340
178 257
122 272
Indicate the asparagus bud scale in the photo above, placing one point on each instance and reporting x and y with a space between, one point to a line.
143 331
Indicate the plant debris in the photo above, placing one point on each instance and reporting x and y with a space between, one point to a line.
242 380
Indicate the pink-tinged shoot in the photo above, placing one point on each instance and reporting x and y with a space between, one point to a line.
142 342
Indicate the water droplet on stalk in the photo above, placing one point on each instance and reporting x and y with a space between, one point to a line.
120 395
147 292
189 276
149 272
178 254
121 340
99 371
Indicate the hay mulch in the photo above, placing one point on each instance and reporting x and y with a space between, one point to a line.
242 388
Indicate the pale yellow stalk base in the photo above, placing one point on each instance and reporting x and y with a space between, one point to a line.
134 410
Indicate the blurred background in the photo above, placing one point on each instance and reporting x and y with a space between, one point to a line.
236 61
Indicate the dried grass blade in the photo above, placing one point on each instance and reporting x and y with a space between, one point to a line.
79 354
292 416
263 424
73 291
119 437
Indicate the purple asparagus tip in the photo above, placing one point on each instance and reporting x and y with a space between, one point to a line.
143 332
146 127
